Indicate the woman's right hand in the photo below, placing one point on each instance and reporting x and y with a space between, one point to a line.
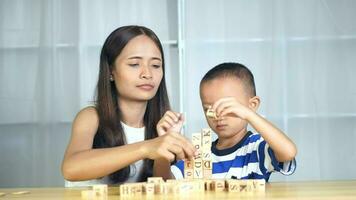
170 122
172 146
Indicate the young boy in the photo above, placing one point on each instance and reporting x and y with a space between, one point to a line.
229 90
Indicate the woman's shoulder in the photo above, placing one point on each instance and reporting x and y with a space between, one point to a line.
88 114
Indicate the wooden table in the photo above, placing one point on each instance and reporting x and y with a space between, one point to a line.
290 190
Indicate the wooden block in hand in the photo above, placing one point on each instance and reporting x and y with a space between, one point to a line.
211 114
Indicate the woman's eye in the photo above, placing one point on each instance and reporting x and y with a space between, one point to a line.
156 66
133 64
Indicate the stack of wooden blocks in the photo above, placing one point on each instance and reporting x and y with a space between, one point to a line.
201 166
156 185
197 173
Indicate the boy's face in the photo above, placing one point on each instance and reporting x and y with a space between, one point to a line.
216 89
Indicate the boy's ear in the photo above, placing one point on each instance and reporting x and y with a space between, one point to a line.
254 103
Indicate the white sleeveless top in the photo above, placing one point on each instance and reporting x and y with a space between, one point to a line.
133 135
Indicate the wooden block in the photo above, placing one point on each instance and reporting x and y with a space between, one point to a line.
158 181
258 185
87 194
207 168
170 188
199 185
189 174
131 189
198 168
206 155
218 185
211 114
188 169
155 180
208 184
196 141
149 188
234 185
206 138
185 187
100 189
207 164
207 173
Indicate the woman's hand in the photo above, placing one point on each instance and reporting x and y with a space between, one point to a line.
172 146
170 122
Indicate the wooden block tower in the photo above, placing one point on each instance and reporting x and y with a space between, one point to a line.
201 166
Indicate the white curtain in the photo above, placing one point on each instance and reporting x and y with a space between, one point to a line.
49 61
303 56
302 52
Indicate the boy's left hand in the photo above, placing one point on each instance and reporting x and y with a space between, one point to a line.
230 106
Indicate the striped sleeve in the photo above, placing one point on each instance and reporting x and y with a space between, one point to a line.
178 170
269 163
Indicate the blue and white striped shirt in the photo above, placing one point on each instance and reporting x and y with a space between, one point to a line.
251 158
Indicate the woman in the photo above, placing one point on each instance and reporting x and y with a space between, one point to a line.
129 134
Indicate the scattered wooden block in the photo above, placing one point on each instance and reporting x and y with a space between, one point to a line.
131 189
259 185
149 188
87 194
199 185
208 184
100 189
234 185
218 185
157 182
185 187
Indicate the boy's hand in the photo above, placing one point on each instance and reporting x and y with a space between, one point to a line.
170 122
230 106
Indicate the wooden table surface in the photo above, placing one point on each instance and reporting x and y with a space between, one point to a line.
289 190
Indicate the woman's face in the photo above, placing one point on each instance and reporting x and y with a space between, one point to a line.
138 70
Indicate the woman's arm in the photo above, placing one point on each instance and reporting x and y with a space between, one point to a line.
81 162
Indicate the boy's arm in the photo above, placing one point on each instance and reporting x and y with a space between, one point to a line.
283 148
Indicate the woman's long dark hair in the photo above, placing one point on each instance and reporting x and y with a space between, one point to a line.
110 131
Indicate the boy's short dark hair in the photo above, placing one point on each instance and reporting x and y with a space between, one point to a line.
233 70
